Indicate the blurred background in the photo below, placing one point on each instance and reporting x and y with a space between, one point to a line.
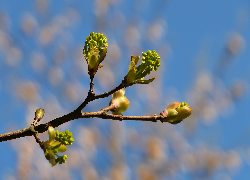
204 61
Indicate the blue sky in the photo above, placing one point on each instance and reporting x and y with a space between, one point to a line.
191 37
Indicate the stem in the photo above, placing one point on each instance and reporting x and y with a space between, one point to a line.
109 108
91 83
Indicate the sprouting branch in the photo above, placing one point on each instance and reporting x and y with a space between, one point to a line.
94 51
74 115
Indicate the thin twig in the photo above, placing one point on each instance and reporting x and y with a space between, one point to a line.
104 115
75 115
106 94
40 128
91 97
91 83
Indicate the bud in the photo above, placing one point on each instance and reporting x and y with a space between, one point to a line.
119 93
94 51
176 112
120 102
39 114
150 62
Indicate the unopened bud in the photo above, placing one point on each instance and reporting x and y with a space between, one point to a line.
120 102
176 112
39 114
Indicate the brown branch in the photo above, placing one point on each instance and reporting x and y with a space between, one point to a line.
91 89
104 115
106 94
91 96
77 113
58 121
40 128
15 134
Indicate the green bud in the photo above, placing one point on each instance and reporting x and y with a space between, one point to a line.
176 112
95 50
39 114
120 102
61 159
65 138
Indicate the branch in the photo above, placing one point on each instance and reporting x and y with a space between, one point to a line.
104 115
91 96
106 94
74 115
60 120
40 128
94 51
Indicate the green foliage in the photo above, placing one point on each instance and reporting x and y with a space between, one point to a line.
150 62
65 138
61 159
94 51
96 40
57 144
